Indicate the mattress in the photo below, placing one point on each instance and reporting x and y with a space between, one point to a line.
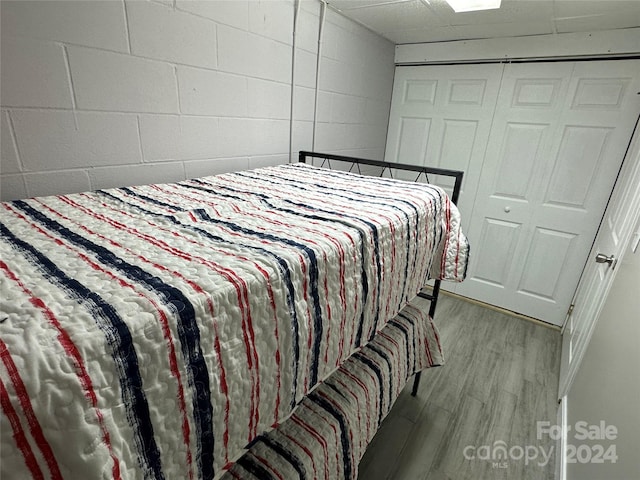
156 331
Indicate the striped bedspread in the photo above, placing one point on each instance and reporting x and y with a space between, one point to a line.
329 431
155 331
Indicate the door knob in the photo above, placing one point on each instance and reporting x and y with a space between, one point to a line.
602 258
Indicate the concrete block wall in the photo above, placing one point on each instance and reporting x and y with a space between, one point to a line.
352 114
97 94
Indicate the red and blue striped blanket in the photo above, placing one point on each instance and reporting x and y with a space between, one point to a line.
155 331
330 429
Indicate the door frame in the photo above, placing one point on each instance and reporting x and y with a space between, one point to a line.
628 186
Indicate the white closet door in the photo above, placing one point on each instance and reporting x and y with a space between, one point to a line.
441 117
556 145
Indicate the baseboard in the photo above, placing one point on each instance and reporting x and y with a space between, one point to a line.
501 310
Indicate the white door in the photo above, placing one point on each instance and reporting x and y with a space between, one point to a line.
615 234
441 117
556 145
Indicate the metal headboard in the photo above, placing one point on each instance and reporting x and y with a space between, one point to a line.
390 166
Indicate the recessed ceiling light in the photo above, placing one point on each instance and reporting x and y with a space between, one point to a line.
473 5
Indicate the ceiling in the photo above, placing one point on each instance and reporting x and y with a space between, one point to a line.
419 21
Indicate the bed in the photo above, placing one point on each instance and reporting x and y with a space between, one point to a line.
256 324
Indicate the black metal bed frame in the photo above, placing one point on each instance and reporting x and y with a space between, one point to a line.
390 166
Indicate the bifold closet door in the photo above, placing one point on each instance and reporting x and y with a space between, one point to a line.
538 182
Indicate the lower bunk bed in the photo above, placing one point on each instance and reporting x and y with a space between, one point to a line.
327 434
257 323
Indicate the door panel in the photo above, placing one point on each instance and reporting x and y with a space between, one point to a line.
413 137
498 241
600 93
420 92
454 150
579 161
467 92
548 257
536 92
517 160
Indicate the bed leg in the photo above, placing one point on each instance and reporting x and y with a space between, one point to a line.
416 383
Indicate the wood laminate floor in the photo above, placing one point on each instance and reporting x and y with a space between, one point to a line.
500 378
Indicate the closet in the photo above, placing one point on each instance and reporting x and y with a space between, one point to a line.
541 144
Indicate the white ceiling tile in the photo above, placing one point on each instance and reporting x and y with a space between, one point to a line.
495 30
422 35
350 4
577 8
611 20
406 15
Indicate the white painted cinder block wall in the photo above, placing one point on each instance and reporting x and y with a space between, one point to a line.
99 94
